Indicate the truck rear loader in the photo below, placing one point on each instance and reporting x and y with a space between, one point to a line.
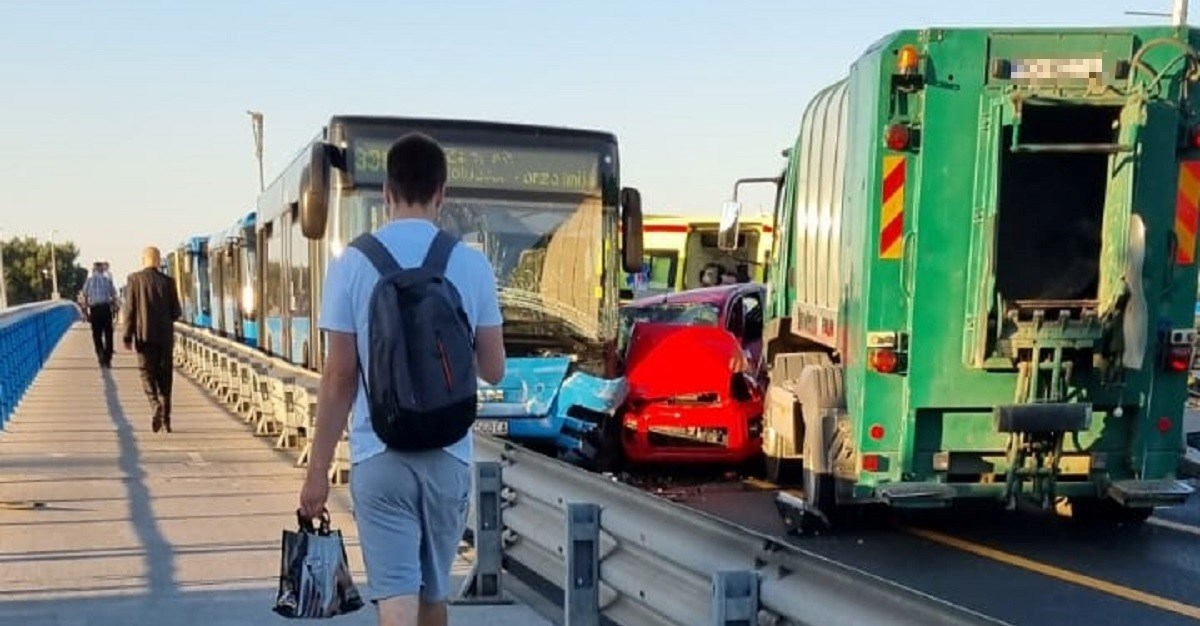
983 279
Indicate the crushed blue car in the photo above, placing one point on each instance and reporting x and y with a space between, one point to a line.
542 403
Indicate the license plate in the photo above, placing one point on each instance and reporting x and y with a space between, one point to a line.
491 427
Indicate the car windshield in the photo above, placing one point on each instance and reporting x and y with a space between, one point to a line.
683 314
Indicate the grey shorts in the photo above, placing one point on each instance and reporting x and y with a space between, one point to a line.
411 511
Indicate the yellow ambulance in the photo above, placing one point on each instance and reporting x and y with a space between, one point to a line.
680 253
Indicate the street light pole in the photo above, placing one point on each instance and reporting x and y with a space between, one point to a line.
1178 14
256 123
53 269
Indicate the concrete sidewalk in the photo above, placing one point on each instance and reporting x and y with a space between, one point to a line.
103 522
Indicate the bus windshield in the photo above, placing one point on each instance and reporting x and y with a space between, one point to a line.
546 255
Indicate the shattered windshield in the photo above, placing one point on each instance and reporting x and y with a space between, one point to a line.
547 256
683 314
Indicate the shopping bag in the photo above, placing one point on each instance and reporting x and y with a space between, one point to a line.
314 574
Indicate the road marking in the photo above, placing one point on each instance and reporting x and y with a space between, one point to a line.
1076 578
1166 523
760 484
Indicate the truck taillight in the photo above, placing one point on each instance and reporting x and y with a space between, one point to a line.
1176 349
1179 358
896 137
886 352
884 360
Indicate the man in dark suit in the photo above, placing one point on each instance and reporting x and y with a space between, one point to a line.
151 308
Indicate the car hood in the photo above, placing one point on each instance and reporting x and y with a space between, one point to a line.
665 360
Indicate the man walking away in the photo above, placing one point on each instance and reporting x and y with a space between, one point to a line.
411 496
151 308
99 295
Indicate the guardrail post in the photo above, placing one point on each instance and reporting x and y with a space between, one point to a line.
582 587
484 584
735 598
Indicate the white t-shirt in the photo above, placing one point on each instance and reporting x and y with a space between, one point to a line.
349 281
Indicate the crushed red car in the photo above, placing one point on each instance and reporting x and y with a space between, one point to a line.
692 361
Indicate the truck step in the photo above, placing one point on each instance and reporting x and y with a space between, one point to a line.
1146 493
917 495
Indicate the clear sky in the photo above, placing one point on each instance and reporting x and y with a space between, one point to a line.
124 123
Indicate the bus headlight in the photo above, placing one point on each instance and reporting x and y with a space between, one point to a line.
490 395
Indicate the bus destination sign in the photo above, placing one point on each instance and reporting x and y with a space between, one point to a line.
491 167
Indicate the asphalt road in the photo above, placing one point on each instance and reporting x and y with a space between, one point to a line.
1027 568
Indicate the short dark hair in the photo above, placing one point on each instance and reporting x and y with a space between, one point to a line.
416 168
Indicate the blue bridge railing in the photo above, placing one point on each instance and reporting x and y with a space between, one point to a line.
28 334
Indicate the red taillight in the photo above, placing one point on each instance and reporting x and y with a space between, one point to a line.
1164 424
1179 358
871 462
876 432
896 137
884 360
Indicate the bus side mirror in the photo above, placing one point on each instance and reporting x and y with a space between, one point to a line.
727 233
314 193
631 230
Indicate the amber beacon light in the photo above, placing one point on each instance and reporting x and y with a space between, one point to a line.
906 60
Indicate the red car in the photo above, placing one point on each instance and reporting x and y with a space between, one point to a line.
692 361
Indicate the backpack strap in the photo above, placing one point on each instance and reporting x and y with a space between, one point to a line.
376 253
439 252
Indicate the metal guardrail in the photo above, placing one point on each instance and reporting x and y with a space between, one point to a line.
657 562
28 334
614 551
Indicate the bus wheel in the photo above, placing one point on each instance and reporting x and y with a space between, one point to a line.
1105 512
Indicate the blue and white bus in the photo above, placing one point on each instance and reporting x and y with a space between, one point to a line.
544 205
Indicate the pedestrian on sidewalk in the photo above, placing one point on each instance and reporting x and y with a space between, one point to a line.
151 308
410 504
99 294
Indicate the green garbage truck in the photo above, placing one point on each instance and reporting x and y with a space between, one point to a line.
984 275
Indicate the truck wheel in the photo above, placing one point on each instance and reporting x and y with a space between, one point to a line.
822 403
1104 512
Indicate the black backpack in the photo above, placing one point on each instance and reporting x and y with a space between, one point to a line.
421 386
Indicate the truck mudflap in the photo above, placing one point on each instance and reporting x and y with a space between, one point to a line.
1150 493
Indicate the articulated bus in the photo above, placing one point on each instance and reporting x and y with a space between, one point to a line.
543 204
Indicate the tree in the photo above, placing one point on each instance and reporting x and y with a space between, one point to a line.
27 270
